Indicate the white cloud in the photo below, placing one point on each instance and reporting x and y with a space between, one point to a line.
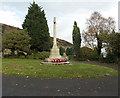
59 0
12 14
76 12
66 14
112 12
65 24
10 18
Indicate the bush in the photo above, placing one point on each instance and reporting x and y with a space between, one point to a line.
101 58
6 55
41 55
89 54
111 58
61 50
10 56
118 61
71 57
20 54
21 57
69 51
30 56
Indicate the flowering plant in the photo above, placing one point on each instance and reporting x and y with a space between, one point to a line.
59 60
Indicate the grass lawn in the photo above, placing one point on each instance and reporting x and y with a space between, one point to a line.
33 68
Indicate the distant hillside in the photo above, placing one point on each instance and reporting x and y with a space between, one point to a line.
63 43
60 42
8 27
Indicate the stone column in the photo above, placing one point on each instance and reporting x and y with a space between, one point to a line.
55 50
54 33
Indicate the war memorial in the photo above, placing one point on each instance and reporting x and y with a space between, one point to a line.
55 56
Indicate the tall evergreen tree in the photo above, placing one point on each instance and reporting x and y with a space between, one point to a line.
76 40
36 24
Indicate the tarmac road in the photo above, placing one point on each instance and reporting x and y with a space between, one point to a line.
24 86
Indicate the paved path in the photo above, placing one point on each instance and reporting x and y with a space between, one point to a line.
21 86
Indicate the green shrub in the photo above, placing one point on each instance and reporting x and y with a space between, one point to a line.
21 57
20 54
118 61
61 50
101 58
41 55
71 57
6 55
69 51
30 56
89 54
111 58
12 56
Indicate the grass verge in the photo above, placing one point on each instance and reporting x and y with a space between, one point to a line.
33 68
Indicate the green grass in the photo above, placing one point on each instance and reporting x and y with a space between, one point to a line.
33 68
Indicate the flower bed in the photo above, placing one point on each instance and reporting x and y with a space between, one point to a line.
59 60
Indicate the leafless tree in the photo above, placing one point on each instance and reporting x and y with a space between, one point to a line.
96 27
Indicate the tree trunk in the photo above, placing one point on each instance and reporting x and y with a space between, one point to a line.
99 46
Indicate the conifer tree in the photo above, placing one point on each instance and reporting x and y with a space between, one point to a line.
76 40
36 24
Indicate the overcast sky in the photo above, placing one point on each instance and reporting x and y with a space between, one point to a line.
13 13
